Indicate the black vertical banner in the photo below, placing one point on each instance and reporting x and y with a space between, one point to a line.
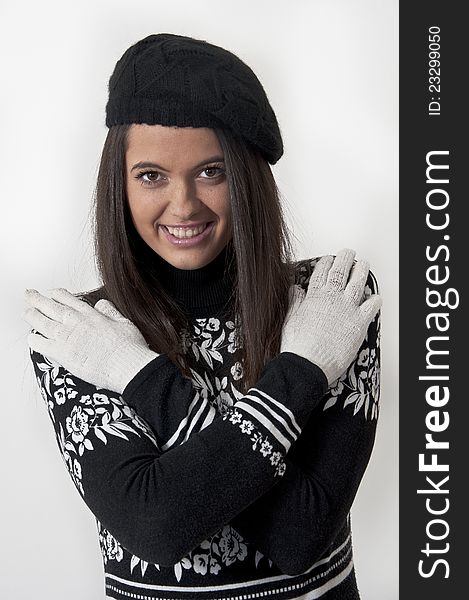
434 328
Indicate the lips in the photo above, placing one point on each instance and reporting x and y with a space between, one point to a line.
188 241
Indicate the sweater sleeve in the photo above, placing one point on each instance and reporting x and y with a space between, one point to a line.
160 505
295 522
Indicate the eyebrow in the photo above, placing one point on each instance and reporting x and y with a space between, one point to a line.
145 165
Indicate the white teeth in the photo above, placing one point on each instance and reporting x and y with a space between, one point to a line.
186 233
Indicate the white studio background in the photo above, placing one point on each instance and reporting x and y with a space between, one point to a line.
330 70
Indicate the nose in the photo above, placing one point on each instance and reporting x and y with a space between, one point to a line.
183 201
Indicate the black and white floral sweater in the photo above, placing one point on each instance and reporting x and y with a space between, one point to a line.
202 493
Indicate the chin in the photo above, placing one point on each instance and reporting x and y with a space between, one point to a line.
188 261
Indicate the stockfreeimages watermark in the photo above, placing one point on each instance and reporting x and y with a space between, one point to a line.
440 300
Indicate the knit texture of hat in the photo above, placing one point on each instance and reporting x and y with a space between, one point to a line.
171 79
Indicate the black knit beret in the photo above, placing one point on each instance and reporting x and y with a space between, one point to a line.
171 79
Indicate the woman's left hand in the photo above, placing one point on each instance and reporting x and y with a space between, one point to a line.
98 345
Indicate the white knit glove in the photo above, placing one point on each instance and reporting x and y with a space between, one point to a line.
98 345
328 323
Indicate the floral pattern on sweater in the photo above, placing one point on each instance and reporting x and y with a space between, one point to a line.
97 416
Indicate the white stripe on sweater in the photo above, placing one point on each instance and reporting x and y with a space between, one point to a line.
281 407
188 423
262 419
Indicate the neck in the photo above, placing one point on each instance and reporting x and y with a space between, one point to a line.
201 291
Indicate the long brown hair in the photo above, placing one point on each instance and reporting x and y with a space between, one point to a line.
260 251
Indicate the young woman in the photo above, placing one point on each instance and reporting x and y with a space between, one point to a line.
215 401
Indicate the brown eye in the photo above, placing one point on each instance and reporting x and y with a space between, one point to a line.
215 170
150 174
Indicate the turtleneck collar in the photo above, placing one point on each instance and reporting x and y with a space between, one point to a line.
201 291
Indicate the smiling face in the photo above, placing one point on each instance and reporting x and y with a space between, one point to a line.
176 176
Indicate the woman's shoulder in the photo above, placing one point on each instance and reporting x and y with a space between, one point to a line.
304 267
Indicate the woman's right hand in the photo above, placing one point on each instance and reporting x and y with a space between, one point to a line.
328 323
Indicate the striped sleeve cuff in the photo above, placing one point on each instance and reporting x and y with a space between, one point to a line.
273 412
275 417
